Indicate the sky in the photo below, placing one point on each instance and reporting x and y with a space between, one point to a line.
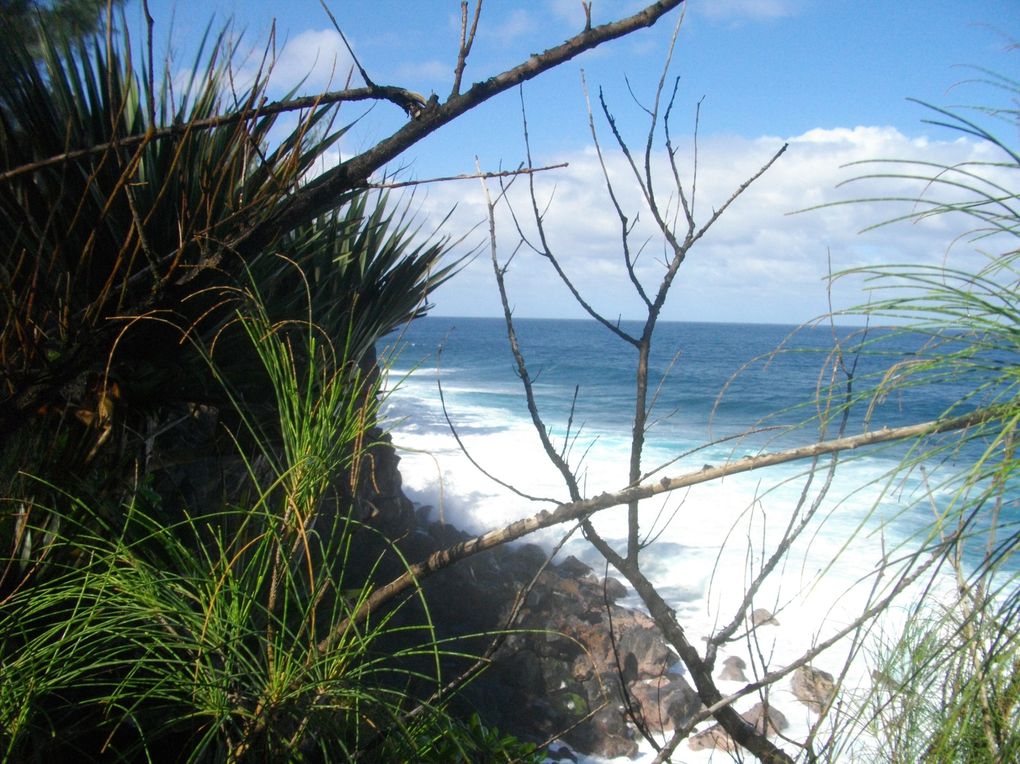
831 78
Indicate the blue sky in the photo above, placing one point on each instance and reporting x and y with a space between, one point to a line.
830 76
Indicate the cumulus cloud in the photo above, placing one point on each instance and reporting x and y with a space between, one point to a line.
317 58
766 259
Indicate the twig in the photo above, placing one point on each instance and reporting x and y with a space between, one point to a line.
472 176
343 37
522 371
405 99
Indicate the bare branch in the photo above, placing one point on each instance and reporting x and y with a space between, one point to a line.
546 251
354 57
741 189
467 39
522 370
472 176
407 100
321 193
625 226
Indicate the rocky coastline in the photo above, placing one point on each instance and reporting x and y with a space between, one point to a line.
568 662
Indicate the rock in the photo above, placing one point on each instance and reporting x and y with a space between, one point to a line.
733 669
718 738
610 735
572 568
558 672
665 702
613 589
763 617
813 687
422 514
714 737
776 720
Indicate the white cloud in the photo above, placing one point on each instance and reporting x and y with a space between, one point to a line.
757 262
317 58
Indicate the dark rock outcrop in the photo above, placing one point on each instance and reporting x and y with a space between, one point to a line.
574 664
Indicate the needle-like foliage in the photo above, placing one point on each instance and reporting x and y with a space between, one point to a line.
947 688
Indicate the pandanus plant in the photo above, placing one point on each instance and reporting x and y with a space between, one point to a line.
127 208
136 301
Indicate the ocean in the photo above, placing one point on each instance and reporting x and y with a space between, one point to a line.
721 392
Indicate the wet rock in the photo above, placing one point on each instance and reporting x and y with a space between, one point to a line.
613 589
572 567
775 720
733 669
716 737
559 670
813 687
605 734
665 702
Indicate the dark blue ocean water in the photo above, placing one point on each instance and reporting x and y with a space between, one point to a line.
710 382
729 376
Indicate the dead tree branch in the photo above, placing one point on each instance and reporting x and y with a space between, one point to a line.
576 510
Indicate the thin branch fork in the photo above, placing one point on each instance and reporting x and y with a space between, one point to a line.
576 510
467 39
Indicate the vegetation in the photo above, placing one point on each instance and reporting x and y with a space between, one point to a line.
189 393
949 690
187 421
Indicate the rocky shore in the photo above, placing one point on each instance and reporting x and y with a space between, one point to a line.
567 662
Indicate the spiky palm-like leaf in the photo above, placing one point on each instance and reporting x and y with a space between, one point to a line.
119 264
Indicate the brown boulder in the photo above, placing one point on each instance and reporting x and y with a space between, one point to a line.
733 669
763 617
776 720
718 738
813 687
665 702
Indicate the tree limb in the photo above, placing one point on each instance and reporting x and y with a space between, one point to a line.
576 510
320 195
